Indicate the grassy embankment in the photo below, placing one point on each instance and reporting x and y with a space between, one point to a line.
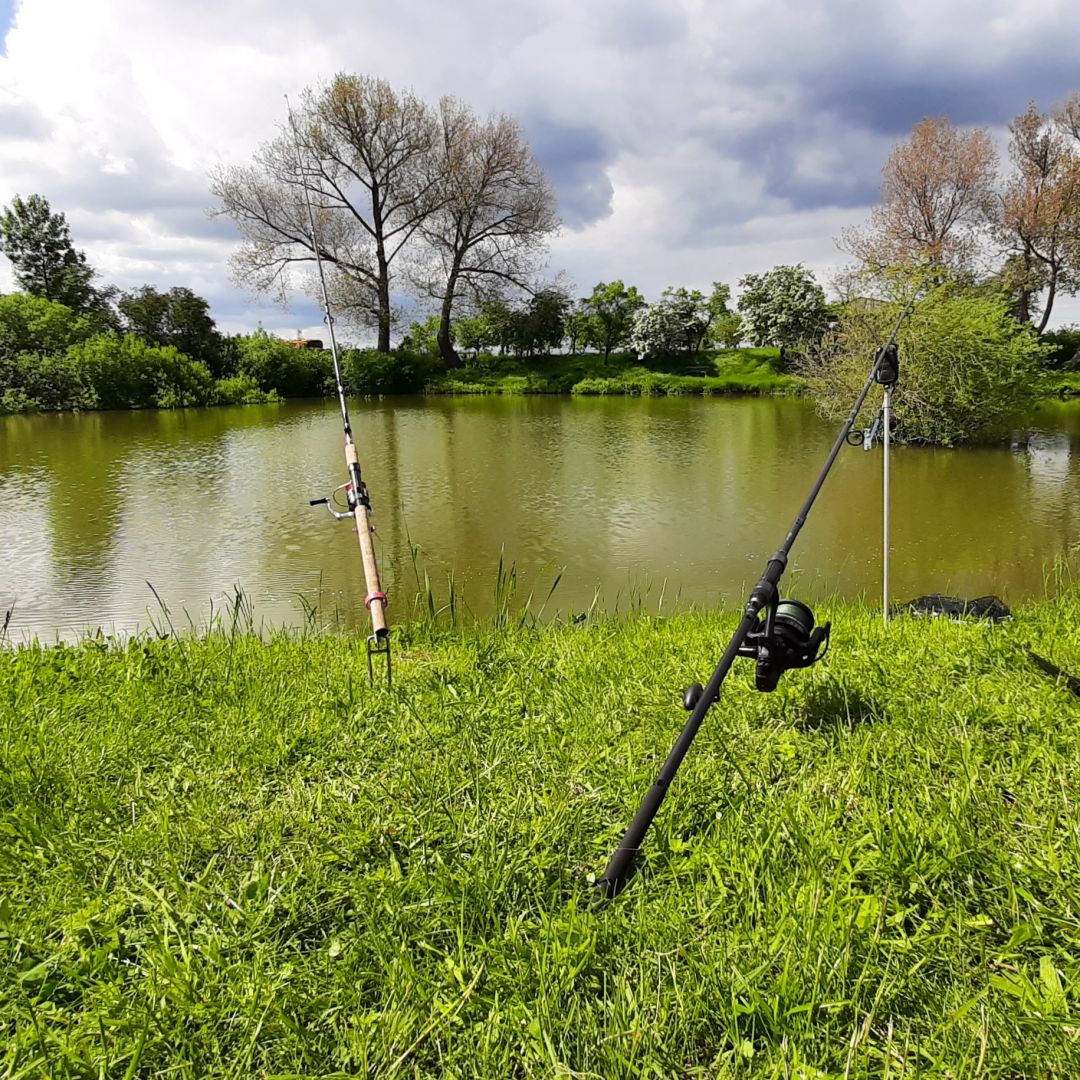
224 857
735 371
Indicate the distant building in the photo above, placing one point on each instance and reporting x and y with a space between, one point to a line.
306 343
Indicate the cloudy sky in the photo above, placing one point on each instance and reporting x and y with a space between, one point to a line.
688 141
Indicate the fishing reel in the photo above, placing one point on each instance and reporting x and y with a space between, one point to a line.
333 503
785 639
866 437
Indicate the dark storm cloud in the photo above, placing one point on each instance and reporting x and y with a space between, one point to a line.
846 105
575 158
776 153
890 99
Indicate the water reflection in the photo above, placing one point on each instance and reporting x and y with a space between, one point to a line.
630 495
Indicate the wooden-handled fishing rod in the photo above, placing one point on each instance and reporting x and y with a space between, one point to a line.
356 493
784 639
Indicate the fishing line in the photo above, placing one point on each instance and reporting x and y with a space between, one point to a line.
779 634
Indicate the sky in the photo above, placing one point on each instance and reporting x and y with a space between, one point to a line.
688 141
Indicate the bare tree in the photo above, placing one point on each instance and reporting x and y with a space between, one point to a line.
937 190
1039 220
366 160
494 215
1067 115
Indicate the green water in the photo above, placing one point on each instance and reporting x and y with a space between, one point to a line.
660 503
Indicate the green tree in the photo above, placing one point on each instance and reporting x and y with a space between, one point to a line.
179 318
499 319
967 367
422 337
576 324
677 322
32 324
38 243
1064 346
785 307
471 333
610 310
540 325
725 326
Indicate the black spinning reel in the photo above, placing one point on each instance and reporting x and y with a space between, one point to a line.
784 640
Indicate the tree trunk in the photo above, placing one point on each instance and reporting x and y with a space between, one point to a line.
384 306
1049 304
443 337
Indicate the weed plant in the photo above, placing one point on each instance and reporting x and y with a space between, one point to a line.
227 856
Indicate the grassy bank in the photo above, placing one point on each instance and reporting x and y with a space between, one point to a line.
224 857
723 371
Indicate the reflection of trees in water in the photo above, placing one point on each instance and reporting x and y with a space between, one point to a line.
618 492
1049 455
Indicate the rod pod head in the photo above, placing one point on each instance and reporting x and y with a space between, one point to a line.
888 365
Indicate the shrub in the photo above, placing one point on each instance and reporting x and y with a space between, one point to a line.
32 324
966 367
47 381
126 373
274 364
369 372
1064 354
241 390
491 363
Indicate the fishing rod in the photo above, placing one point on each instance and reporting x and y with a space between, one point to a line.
357 500
786 638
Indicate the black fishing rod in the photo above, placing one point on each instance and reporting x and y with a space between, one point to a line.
357 501
784 639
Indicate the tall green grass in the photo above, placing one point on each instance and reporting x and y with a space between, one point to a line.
224 856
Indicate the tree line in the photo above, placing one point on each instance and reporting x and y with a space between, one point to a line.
450 212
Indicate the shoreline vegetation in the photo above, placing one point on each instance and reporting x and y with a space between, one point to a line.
225 855
124 373
707 373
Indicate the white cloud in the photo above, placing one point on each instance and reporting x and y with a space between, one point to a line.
691 141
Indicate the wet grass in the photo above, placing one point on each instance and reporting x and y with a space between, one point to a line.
228 857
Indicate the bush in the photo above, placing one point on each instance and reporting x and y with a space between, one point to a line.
490 363
241 390
126 373
274 364
636 381
966 367
32 324
1064 354
368 372
46 381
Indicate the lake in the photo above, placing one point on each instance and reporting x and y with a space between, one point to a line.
657 503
